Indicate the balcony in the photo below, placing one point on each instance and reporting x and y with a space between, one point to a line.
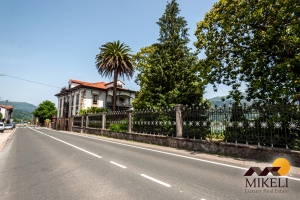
119 104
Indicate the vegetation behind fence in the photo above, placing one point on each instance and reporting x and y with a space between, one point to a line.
273 124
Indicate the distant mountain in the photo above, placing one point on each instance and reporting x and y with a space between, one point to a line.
21 114
21 110
218 101
20 105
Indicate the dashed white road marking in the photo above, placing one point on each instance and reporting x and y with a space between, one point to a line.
88 152
155 180
117 164
172 154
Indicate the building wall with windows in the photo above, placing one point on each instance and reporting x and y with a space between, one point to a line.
9 113
83 95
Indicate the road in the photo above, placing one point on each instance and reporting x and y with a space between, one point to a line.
41 163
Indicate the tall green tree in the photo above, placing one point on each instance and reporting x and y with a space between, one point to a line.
45 111
167 68
114 59
252 41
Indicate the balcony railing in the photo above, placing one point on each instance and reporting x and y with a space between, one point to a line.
120 104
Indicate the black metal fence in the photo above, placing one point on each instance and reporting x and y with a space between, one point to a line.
160 121
95 121
77 121
117 121
272 124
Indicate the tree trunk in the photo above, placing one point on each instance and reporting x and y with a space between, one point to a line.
115 90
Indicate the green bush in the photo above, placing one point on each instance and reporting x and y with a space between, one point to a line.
123 127
92 110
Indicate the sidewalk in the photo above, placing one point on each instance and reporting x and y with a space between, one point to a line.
4 137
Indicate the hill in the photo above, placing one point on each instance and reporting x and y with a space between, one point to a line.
218 101
22 115
21 110
21 106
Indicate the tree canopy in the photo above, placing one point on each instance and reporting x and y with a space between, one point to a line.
114 58
252 41
45 111
167 68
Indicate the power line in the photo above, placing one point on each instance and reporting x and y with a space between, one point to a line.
29 81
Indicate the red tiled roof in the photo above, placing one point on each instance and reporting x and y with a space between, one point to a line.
100 85
8 107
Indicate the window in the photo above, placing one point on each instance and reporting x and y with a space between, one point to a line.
72 100
121 99
77 100
72 104
119 86
77 103
95 97
60 108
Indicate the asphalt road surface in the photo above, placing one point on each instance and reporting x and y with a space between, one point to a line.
40 163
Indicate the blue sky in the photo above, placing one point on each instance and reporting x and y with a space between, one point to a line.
54 41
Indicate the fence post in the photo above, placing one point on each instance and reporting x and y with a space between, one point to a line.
129 112
81 127
104 120
72 123
298 98
179 109
87 121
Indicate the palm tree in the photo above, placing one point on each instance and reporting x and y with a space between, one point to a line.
114 58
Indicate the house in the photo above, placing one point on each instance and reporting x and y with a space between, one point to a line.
9 112
82 95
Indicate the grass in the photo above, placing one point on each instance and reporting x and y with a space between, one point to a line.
215 139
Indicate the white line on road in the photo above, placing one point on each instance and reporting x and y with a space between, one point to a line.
12 134
69 144
112 162
172 154
155 180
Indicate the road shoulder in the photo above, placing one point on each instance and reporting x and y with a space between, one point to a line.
239 162
4 137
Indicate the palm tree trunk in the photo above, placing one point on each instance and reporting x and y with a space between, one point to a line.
115 90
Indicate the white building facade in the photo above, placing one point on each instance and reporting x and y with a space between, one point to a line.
83 95
7 112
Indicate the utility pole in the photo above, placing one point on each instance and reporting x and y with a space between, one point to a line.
6 112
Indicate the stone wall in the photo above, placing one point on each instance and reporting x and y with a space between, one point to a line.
267 154
64 124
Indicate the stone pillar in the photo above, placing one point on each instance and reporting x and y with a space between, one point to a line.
179 109
58 124
81 127
104 120
129 112
298 98
87 121
71 123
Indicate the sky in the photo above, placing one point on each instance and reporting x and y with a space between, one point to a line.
53 41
